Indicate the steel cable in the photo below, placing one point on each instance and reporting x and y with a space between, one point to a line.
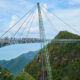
61 20
16 22
30 25
22 24
25 26
50 21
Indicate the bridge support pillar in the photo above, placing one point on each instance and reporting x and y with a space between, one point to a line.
43 39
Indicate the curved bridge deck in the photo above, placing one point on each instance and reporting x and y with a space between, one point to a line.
6 42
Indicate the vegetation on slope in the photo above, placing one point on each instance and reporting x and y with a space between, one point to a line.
64 58
67 35
15 65
5 74
23 76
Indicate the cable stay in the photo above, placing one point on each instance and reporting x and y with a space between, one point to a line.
61 19
26 25
52 25
17 22
43 42
22 24
31 24
30 15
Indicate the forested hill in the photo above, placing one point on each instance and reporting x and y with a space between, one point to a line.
67 35
64 58
16 65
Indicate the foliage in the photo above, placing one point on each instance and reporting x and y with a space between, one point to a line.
66 35
5 74
64 58
0 68
15 65
23 76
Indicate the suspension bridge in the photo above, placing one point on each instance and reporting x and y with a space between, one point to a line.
6 41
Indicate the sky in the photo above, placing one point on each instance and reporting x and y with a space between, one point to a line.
13 10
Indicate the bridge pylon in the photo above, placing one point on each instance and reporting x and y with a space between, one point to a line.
43 41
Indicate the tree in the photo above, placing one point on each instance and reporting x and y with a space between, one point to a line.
23 76
0 72
5 74
0 68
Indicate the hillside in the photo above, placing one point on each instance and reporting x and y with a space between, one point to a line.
64 58
16 65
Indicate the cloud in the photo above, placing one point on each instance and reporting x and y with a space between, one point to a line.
34 29
73 2
14 20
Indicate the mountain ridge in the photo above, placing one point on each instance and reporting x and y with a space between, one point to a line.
16 65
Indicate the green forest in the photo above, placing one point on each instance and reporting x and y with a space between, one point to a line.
64 58
6 75
16 65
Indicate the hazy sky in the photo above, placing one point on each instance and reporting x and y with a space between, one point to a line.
12 10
